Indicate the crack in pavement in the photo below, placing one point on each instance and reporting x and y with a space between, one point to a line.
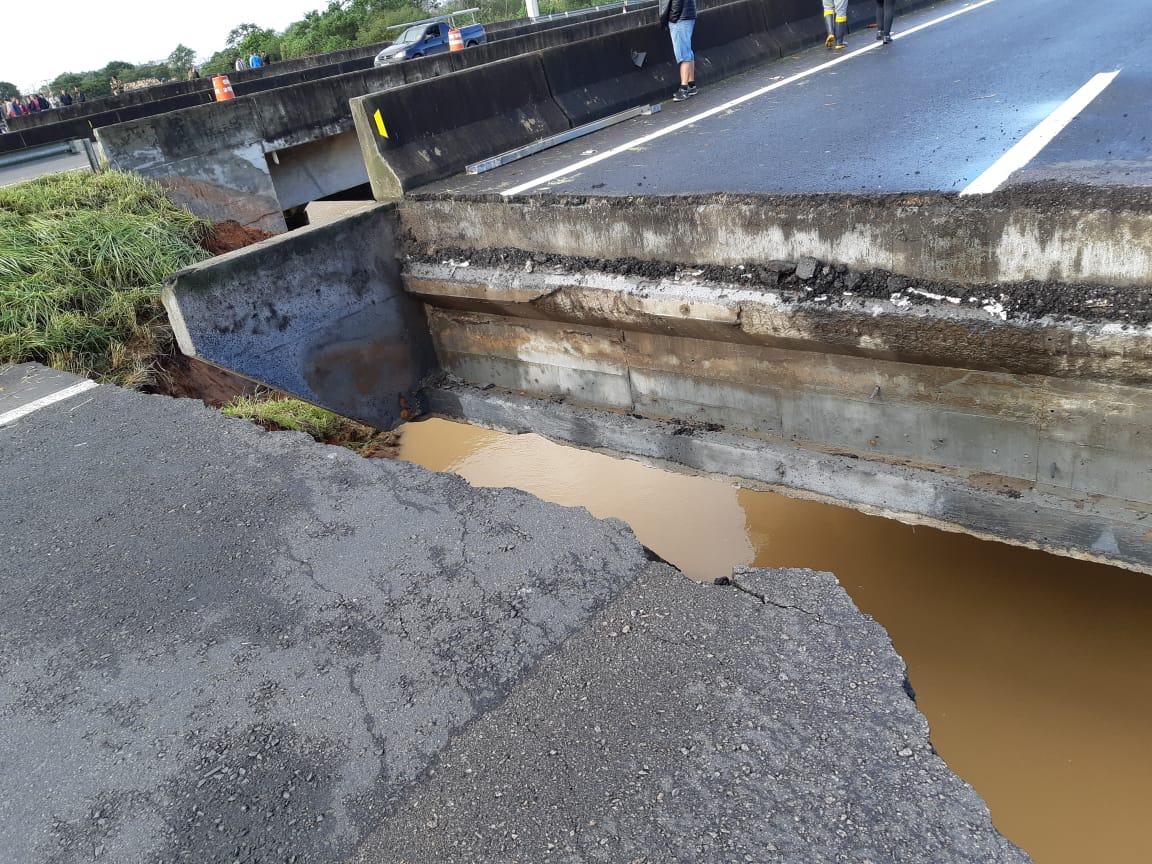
725 581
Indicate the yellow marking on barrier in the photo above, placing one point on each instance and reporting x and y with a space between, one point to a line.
380 124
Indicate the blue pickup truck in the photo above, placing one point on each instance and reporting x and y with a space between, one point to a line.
431 36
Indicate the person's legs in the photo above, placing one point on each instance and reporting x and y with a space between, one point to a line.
681 32
889 14
688 73
841 23
830 22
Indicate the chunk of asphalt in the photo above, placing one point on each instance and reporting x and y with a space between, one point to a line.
806 268
765 719
219 644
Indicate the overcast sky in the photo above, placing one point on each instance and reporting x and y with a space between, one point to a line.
47 37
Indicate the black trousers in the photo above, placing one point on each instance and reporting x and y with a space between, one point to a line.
885 12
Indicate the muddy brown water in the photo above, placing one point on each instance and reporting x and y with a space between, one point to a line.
1032 669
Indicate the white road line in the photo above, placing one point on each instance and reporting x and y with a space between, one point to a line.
720 109
44 401
1029 147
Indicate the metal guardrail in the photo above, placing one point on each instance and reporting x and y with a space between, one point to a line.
41 151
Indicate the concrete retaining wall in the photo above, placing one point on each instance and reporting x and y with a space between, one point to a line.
1040 416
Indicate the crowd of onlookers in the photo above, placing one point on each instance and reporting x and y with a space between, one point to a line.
253 61
19 106
34 104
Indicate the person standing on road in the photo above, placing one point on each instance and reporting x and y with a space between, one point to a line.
836 22
679 18
885 12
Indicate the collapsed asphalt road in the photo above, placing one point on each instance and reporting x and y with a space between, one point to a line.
222 645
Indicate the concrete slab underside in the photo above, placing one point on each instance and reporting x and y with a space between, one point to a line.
218 644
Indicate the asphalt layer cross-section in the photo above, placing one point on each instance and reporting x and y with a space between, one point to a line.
932 111
222 645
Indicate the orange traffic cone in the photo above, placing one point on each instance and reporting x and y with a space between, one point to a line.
223 88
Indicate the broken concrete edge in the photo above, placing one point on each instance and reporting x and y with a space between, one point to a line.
1106 531
884 316
1039 194
318 313
199 278
763 717
985 241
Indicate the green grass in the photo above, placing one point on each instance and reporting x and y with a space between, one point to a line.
277 413
82 260
286 414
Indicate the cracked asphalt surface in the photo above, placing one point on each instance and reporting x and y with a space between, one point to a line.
219 644
764 720
223 645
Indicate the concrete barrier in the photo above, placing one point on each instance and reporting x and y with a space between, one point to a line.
527 40
408 135
597 77
319 313
243 82
83 126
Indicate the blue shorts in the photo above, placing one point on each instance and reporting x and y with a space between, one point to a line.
682 40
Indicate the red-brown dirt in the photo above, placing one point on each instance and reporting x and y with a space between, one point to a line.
228 236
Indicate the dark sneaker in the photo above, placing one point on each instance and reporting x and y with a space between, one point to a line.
683 93
692 89
879 35
887 38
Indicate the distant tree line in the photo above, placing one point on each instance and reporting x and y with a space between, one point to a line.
344 24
